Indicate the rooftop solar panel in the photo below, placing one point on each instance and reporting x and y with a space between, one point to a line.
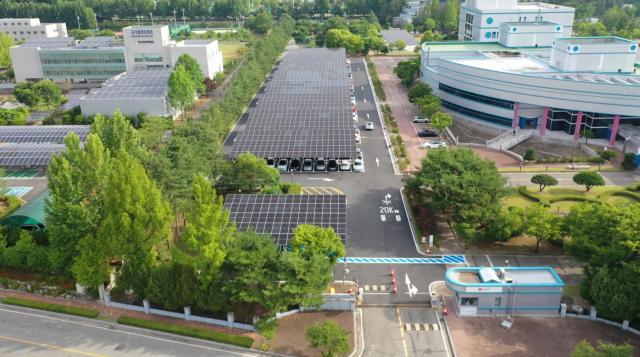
49 42
96 42
303 110
28 155
53 134
279 215
139 84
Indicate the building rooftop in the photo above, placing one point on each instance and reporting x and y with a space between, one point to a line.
530 24
397 34
140 84
468 46
49 42
596 40
99 42
195 42
542 6
507 62
503 276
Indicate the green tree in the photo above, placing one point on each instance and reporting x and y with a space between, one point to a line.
429 105
313 240
6 42
76 179
260 23
407 71
529 155
135 220
182 89
336 38
441 121
419 90
193 70
329 338
543 180
509 223
208 230
587 134
250 174
588 179
49 92
450 14
399 45
585 349
460 181
608 155
615 291
117 133
541 224
173 286
25 94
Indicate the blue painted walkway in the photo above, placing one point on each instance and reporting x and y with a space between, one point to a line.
436 259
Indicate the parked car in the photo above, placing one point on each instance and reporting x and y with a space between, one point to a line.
358 165
307 165
426 133
296 164
353 100
321 165
271 162
369 125
358 153
358 138
418 119
283 165
345 165
434 145
332 165
355 116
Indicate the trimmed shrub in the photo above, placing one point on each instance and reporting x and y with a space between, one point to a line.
62 309
210 335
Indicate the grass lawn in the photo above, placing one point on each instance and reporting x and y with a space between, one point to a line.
560 168
59 308
568 197
231 50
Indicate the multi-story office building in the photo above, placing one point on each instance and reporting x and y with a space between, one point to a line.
28 29
586 83
59 59
409 11
481 20
152 47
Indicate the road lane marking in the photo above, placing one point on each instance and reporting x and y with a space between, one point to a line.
50 346
443 259
404 344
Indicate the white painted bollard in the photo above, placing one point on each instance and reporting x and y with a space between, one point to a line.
593 313
230 319
563 310
187 313
625 325
147 306
81 290
107 298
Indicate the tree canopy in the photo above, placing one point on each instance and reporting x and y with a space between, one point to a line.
329 338
544 180
588 179
6 42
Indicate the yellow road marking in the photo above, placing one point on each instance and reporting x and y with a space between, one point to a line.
53 347
404 344
321 191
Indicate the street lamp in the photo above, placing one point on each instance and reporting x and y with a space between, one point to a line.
151 15
175 21
96 17
78 18
183 19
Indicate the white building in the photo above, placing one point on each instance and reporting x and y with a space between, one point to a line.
152 47
409 11
481 20
140 91
587 83
27 29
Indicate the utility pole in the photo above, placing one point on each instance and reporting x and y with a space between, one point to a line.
151 15
175 21
183 18
78 18
97 27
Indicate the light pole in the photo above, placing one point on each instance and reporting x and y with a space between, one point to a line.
184 22
175 20
151 15
78 18
96 17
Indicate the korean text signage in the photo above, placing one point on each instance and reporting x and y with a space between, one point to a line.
142 33
484 289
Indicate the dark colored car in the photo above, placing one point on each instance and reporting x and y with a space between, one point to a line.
296 164
271 162
425 133
307 165
321 165
332 165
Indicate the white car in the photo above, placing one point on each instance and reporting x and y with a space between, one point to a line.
434 145
358 153
355 116
353 100
418 119
369 125
358 165
358 138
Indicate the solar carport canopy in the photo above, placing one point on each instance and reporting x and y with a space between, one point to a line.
279 215
303 110
53 134
28 154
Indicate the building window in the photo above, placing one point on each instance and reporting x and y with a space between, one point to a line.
494 34
469 301
478 115
468 26
497 302
476 97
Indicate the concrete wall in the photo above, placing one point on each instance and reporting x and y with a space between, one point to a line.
26 63
512 35
208 56
26 29
128 107
573 56
149 40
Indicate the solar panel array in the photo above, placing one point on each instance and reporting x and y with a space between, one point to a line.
28 155
96 42
49 42
303 109
148 83
51 134
279 215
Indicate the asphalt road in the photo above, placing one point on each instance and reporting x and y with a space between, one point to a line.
566 178
25 332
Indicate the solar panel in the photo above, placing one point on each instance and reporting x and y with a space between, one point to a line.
140 84
279 215
303 109
53 134
28 155
96 42
49 42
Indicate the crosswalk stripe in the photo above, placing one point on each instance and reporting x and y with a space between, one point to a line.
436 327
445 259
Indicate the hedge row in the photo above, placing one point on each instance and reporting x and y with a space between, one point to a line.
576 198
210 335
63 309
377 83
